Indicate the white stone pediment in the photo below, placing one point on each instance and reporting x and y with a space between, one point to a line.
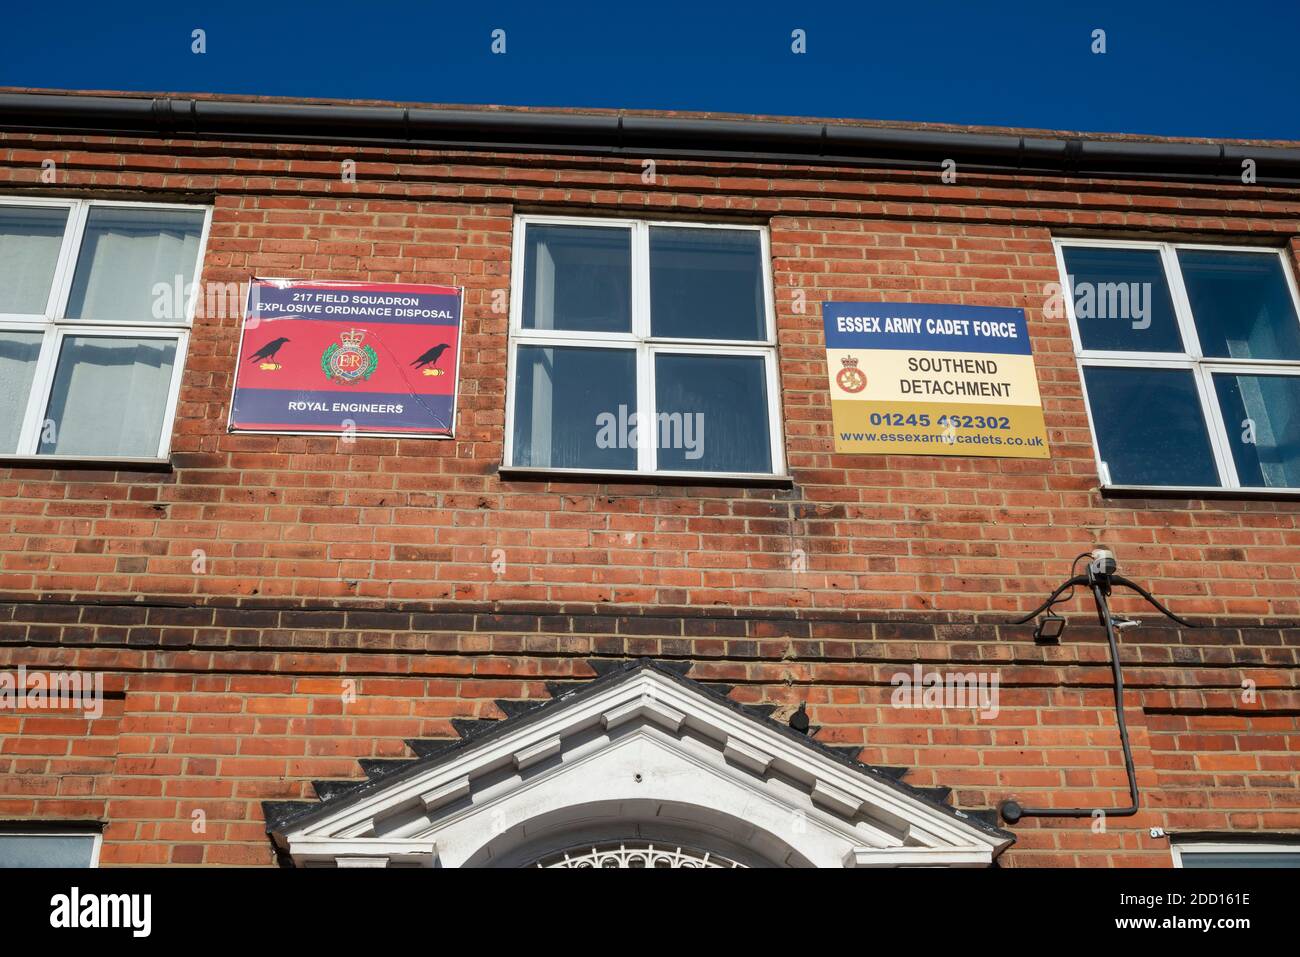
645 756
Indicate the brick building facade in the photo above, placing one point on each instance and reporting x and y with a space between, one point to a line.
269 611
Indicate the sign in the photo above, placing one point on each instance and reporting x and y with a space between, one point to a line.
356 358
917 379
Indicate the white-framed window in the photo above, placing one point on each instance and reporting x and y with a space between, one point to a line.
44 847
1190 361
96 302
1238 854
642 347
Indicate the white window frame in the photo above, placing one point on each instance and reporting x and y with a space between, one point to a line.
55 328
98 835
1178 848
646 346
1193 359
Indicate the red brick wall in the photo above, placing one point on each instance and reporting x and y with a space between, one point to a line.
909 557
218 729
390 519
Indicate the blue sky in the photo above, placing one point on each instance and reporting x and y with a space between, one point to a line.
1191 68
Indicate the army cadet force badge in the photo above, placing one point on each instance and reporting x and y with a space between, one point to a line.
850 378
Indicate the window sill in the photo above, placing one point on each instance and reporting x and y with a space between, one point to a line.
57 462
588 477
1205 492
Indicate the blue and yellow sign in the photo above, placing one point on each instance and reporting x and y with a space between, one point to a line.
917 379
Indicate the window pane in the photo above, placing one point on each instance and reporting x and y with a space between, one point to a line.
124 253
109 396
18 354
30 237
1262 416
578 278
1241 304
706 283
1243 859
46 850
574 408
1121 299
1150 426
712 413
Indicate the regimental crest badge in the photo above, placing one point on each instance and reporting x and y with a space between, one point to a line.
348 361
850 378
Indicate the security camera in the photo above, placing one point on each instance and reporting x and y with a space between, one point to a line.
1103 563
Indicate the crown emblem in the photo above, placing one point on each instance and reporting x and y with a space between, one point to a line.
849 362
349 362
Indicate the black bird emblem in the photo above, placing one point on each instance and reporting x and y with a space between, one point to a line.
268 351
431 357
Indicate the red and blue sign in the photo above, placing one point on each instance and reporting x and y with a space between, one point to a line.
348 358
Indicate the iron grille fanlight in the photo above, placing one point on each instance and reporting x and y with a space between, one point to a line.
635 854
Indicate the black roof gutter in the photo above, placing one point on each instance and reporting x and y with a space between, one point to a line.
638 136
